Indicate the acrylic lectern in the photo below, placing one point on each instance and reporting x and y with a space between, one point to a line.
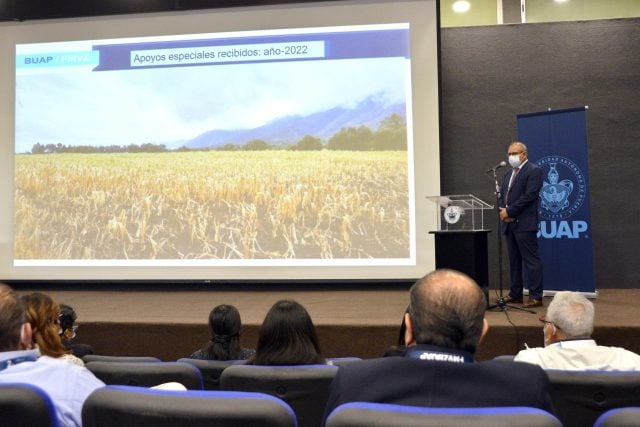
461 236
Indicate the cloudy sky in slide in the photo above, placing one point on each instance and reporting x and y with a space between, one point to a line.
164 105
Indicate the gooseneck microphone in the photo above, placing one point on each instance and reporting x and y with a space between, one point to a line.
496 167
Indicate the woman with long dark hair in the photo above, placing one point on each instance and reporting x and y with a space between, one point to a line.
225 325
287 337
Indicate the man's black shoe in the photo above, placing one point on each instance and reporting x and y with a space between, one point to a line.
509 300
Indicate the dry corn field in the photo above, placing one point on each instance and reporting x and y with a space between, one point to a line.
212 205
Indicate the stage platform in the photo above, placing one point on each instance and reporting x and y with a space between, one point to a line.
171 324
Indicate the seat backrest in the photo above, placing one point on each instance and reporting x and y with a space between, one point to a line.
505 358
147 374
580 397
359 414
305 388
620 417
211 370
341 361
135 406
101 358
25 405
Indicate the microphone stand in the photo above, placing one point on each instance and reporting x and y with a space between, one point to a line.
500 303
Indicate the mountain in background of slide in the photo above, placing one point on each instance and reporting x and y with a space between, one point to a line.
291 129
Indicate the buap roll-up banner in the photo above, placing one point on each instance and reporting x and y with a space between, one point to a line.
557 142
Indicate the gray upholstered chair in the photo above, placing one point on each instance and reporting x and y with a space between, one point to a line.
359 414
147 374
141 407
305 387
580 397
102 358
620 417
25 405
341 361
211 370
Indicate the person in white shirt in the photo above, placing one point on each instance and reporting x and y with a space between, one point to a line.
67 385
568 345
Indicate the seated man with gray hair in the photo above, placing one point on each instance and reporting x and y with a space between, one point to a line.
568 326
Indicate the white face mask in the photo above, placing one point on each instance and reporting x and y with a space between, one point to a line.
514 161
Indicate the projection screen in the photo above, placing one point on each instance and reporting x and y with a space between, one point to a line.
282 142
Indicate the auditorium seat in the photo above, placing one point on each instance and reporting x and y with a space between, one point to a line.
620 417
141 407
504 358
359 414
211 370
341 361
25 405
305 387
580 397
100 358
147 374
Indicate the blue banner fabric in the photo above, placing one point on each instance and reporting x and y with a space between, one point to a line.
557 142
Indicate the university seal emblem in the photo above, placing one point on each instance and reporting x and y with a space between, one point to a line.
563 191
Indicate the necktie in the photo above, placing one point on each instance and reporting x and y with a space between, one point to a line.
513 177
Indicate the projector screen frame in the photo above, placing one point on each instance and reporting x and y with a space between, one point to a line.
202 276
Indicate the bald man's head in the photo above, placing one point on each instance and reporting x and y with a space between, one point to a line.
447 309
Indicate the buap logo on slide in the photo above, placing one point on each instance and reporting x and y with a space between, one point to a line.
564 190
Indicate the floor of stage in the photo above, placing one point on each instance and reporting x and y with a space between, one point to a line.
171 323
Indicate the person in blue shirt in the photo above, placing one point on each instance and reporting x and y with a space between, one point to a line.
67 385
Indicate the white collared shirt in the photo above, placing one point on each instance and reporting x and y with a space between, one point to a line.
580 355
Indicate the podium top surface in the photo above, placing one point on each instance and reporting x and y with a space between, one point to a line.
467 201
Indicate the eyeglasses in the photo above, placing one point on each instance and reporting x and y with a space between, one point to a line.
545 321
515 154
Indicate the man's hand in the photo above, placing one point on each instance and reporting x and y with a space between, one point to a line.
504 216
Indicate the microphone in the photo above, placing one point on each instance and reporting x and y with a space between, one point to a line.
496 167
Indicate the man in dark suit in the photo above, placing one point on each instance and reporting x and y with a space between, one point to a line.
519 198
444 324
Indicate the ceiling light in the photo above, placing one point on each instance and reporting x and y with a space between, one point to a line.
461 6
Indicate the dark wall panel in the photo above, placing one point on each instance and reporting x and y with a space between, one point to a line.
491 74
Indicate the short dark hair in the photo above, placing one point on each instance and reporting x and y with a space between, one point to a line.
287 337
224 324
447 310
67 317
12 317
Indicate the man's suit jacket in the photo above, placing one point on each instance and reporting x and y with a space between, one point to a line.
416 382
522 198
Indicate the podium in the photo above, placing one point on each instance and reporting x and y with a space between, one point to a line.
461 236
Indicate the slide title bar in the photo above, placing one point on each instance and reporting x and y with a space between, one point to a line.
370 43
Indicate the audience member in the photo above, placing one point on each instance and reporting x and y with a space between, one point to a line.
224 324
43 314
67 384
287 337
69 328
567 330
444 325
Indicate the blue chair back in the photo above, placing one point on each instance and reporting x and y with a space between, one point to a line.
25 405
580 397
305 387
102 358
147 374
359 414
211 370
620 417
142 407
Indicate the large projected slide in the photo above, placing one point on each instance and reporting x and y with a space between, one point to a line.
285 153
